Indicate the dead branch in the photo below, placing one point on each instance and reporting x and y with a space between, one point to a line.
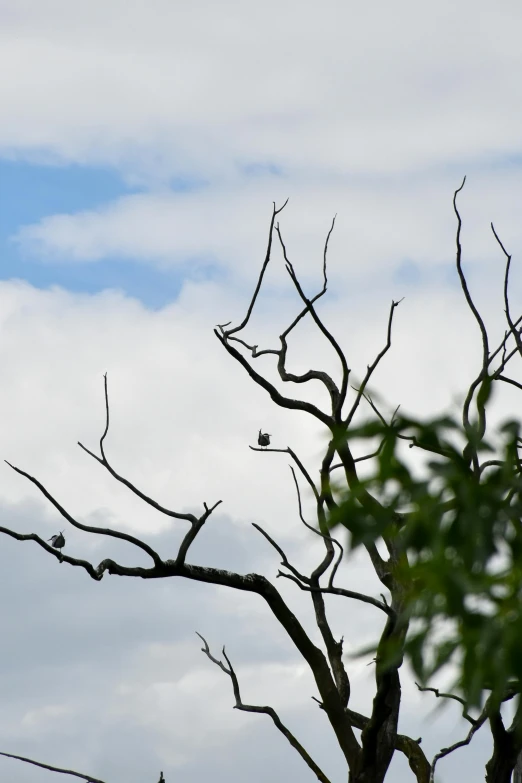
297 461
372 367
417 760
367 599
462 743
513 330
275 212
331 339
485 342
277 397
103 461
103 531
464 285
87 778
284 559
263 710
440 695
254 583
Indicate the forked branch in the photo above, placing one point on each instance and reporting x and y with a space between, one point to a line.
441 695
309 303
104 461
373 366
239 705
103 531
228 332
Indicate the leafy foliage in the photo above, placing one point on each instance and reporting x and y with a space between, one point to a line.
458 520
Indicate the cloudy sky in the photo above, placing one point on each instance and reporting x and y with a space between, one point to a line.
141 147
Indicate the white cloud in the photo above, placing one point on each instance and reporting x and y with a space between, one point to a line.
371 112
182 418
200 87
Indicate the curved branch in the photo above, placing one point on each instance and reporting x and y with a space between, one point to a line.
277 397
87 778
367 599
263 710
485 343
440 695
446 751
60 557
275 212
512 328
509 380
297 461
417 760
103 531
464 285
284 559
311 375
253 583
331 339
104 461
372 367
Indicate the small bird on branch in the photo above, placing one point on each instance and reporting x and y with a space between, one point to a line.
57 541
263 439
162 779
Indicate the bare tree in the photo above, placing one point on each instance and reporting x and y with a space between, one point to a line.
367 741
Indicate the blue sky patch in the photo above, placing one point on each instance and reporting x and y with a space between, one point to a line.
30 192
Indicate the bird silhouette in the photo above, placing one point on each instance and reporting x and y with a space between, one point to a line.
162 779
57 541
263 439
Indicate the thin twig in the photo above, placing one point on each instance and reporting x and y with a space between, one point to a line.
446 751
104 461
367 599
87 778
325 536
275 394
464 285
509 380
512 328
485 342
284 560
103 531
440 695
275 212
331 339
372 367
297 461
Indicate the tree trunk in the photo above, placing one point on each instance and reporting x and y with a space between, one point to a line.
506 750
517 772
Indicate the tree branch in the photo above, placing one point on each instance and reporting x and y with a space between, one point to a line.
87 778
103 531
277 397
512 328
418 762
464 285
263 710
104 461
446 751
367 599
372 367
331 339
485 343
275 212
440 695
297 461
284 559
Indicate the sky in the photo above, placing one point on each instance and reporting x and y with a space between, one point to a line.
142 146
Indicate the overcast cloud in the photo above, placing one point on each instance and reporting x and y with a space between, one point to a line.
204 114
